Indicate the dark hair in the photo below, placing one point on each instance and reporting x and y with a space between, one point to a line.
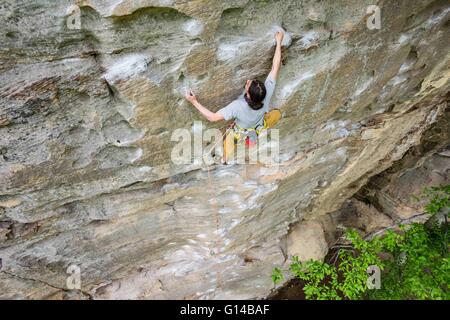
257 92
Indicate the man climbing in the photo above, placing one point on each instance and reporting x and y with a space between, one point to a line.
251 111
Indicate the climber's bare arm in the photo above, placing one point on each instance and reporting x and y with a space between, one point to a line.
276 64
211 116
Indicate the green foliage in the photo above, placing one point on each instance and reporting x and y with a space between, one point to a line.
415 262
420 268
348 279
438 197
314 274
277 275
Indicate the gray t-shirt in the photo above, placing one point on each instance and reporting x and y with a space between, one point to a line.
245 116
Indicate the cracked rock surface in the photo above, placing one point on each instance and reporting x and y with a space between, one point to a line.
87 115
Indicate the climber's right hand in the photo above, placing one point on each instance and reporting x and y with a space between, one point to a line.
191 97
279 35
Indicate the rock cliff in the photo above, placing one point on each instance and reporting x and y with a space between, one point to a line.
92 90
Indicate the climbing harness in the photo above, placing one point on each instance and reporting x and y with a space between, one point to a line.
270 119
249 135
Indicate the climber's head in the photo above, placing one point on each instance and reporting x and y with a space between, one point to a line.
255 92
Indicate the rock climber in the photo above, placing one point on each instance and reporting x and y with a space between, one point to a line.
251 112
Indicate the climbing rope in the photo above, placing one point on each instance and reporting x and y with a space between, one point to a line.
211 187
216 210
216 213
217 142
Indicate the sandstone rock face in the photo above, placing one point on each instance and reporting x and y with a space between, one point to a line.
307 241
398 192
87 115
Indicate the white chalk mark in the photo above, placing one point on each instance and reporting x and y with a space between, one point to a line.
127 67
